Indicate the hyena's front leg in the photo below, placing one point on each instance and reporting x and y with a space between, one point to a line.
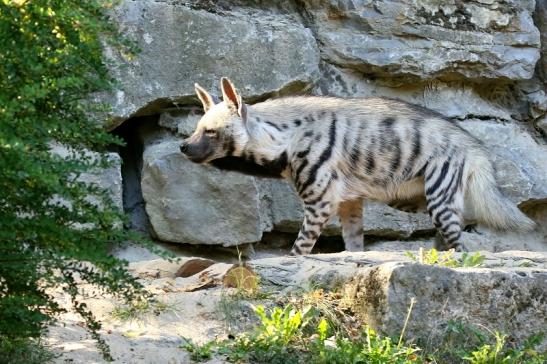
351 219
316 215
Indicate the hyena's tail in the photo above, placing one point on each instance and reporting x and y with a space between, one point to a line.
489 206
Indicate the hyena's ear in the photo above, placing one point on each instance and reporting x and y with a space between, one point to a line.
206 99
231 96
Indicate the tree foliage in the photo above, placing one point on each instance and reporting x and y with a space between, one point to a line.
55 229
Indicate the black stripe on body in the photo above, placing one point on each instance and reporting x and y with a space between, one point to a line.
309 119
273 125
396 160
324 157
298 171
229 146
416 149
370 163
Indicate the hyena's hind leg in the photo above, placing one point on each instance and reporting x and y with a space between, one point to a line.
444 191
316 215
351 219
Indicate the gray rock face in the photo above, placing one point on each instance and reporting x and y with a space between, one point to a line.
429 38
540 18
453 99
109 179
521 163
469 60
510 300
181 45
194 204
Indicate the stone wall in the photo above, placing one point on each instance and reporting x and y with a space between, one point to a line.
477 62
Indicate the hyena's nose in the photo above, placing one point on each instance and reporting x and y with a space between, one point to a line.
184 147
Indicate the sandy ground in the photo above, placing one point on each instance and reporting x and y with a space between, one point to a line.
154 338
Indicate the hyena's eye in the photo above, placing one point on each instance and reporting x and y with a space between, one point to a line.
210 132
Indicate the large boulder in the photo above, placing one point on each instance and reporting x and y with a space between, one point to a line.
509 300
428 38
181 45
190 203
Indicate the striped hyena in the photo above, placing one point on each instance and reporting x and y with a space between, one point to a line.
337 152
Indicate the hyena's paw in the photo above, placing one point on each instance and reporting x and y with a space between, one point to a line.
442 245
471 228
459 247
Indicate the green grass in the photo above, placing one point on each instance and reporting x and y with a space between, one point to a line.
139 310
499 352
290 335
197 352
447 259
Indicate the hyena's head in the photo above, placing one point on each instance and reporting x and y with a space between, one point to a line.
221 131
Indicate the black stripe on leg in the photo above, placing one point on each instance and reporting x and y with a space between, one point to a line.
296 249
454 238
448 197
439 180
445 227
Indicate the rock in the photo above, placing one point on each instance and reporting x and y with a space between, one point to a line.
510 300
195 204
427 38
183 122
542 124
540 18
521 163
453 99
154 268
182 45
193 266
109 178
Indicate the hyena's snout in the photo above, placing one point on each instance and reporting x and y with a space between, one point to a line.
184 147
197 151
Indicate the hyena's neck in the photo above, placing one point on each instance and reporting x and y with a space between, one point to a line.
268 141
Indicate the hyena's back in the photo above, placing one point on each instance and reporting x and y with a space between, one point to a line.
391 151
377 144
